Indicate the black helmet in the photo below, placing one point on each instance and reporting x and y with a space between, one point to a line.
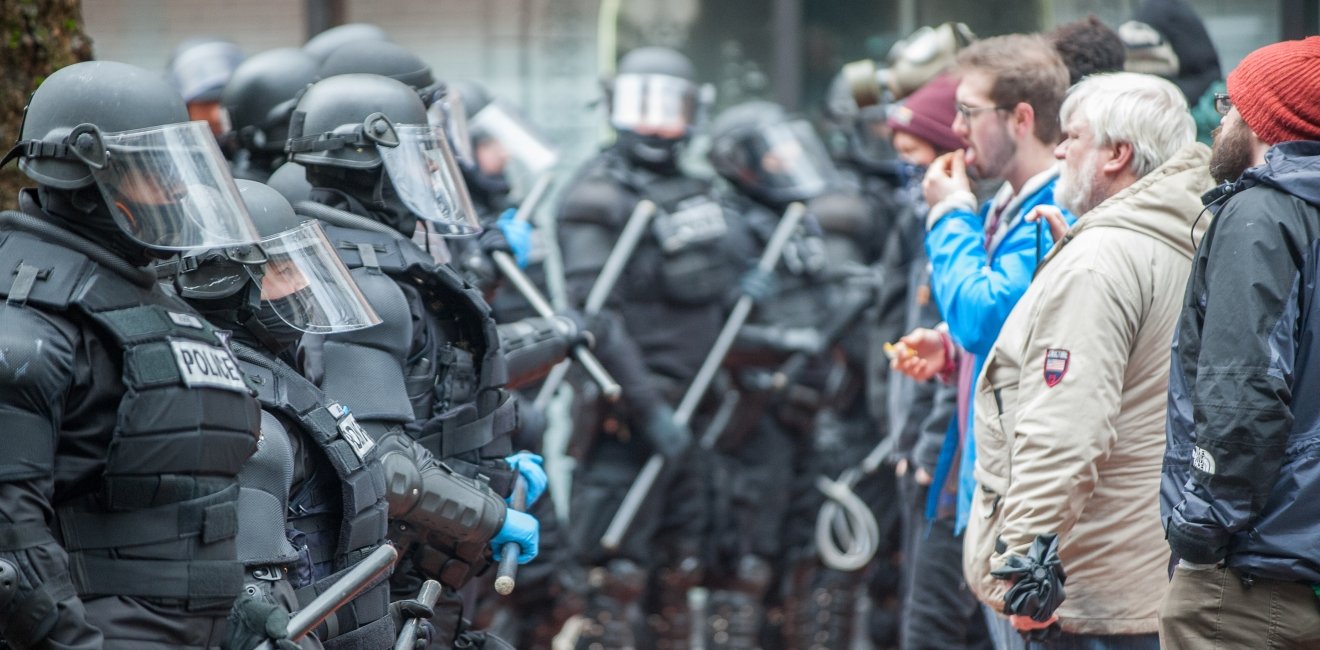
358 123
208 274
855 135
378 57
339 120
473 95
112 96
653 104
200 67
768 154
323 44
290 180
262 93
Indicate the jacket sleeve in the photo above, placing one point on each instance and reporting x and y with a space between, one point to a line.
976 294
1243 388
38 605
1061 432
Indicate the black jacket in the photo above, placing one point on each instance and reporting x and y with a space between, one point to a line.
1242 467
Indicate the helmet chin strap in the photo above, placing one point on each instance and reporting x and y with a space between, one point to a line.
660 154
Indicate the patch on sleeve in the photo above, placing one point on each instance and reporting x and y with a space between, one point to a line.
1056 366
1202 460
352 432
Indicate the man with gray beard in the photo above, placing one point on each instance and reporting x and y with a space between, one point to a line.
1072 395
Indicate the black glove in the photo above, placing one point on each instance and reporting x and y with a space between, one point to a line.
256 617
578 326
667 438
402 610
1038 580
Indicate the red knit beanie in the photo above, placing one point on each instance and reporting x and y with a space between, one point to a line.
928 113
1276 89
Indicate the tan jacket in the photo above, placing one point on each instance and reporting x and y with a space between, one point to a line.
1070 405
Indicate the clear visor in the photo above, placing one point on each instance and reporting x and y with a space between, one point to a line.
308 287
428 181
446 112
505 143
791 157
653 104
169 188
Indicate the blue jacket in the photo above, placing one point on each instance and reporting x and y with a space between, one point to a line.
975 290
1242 464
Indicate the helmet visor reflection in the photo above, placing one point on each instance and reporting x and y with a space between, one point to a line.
169 188
307 285
428 181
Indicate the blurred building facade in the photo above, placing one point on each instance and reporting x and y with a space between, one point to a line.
547 56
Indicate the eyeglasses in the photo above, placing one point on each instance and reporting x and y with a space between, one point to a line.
1223 104
968 112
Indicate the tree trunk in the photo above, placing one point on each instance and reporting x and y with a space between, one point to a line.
37 37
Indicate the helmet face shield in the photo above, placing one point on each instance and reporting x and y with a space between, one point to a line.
307 286
428 181
446 112
506 144
785 160
653 104
169 188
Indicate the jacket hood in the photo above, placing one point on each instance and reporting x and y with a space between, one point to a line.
1291 167
1163 204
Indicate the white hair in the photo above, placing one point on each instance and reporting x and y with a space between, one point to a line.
1143 110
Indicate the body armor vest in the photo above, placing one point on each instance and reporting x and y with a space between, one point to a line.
462 413
340 538
162 520
687 257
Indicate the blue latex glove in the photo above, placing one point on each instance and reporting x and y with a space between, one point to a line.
531 467
519 235
522 528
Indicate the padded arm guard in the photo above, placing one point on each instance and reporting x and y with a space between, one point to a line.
533 346
453 516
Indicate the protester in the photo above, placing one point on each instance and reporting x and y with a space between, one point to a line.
1088 46
1071 396
1240 481
938 610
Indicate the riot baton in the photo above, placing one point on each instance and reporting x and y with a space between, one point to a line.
507 575
632 234
429 593
531 202
608 387
645 481
340 593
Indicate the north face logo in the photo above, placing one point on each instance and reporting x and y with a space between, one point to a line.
1202 460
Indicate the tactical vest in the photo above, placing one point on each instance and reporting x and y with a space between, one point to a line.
161 520
687 258
335 540
463 414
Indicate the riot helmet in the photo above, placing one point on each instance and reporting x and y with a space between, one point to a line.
768 154
369 133
509 155
260 97
161 179
653 103
199 69
323 44
290 283
858 136
389 60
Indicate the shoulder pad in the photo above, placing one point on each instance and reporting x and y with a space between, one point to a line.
52 275
394 333
597 199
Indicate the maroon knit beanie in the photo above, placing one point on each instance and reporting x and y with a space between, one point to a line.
928 114
1275 89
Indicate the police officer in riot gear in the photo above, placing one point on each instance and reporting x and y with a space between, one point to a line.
259 99
199 69
377 167
789 432
127 418
670 303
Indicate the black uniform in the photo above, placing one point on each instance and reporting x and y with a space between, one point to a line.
671 302
128 420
